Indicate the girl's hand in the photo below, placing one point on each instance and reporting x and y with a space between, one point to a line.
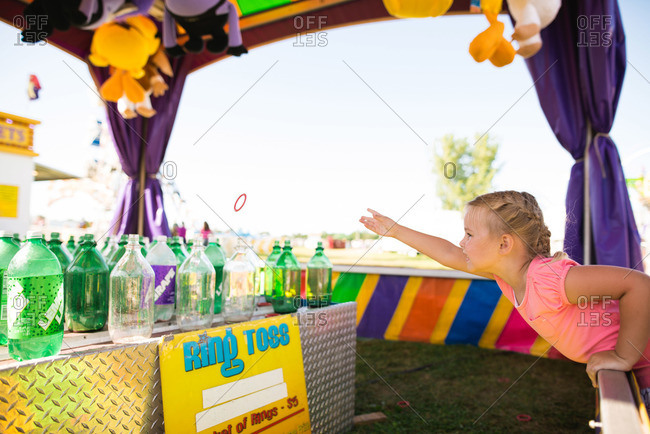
380 224
605 360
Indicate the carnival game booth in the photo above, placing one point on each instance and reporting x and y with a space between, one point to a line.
121 388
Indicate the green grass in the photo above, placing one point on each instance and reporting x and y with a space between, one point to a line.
451 386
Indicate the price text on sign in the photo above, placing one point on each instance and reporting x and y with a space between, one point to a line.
244 378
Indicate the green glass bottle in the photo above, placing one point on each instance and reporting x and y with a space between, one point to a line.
35 301
56 246
217 258
86 289
179 250
16 239
268 271
107 242
286 282
143 249
189 244
119 252
8 249
318 279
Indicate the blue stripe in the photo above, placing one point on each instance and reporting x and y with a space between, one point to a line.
381 306
474 313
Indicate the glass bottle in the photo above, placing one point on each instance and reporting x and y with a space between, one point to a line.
238 295
286 282
165 267
34 284
217 258
269 269
60 251
110 250
119 252
179 250
195 294
86 289
319 279
17 239
8 248
130 307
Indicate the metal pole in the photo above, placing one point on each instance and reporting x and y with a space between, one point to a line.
587 208
143 176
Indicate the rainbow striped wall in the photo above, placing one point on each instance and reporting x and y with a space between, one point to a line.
437 310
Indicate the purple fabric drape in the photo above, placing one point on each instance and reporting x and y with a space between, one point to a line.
129 137
578 75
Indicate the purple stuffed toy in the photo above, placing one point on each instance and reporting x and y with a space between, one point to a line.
199 18
85 14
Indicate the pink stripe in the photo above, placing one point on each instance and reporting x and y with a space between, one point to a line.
517 335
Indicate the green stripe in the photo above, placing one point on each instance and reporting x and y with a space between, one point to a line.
248 7
347 287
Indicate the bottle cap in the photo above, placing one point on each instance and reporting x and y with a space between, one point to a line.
161 238
197 241
54 235
213 239
134 239
4 234
34 234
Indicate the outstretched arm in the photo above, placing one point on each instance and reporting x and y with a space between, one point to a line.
632 289
436 248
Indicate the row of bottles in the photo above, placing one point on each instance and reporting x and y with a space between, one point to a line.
139 291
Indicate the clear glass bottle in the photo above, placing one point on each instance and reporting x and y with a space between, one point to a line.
268 271
217 258
286 282
165 267
35 301
110 250
130 307
318 279
60 251
195 294
238 295
8 248
86 289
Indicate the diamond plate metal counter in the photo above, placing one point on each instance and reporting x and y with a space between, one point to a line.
328 338
112 391
116 389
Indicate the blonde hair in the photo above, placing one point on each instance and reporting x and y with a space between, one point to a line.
518 213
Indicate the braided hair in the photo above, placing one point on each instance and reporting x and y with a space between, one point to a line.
519 214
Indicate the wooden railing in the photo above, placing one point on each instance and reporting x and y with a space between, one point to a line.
619 406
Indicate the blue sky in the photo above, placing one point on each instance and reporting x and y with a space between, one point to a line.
313 146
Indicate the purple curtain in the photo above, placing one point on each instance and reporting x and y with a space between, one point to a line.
578 75
130 136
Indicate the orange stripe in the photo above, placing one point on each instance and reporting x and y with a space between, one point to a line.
426 309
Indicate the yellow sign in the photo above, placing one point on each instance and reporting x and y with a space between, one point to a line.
8 201
244 378
15 134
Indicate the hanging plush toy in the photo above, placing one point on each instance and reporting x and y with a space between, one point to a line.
126 47
490 44
199 18
417 8
531 16
85 14
152 82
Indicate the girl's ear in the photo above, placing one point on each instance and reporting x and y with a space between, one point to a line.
507 243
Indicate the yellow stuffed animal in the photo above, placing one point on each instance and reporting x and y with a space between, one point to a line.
490 44
417 8
126 47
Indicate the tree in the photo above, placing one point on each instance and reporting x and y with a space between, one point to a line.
465 170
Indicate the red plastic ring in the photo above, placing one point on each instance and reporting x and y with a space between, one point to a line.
403 404
524 418
242 205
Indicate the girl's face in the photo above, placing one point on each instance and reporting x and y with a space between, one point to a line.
479 245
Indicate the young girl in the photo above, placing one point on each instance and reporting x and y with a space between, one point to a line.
593 314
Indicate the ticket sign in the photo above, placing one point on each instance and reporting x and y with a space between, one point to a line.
245 378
